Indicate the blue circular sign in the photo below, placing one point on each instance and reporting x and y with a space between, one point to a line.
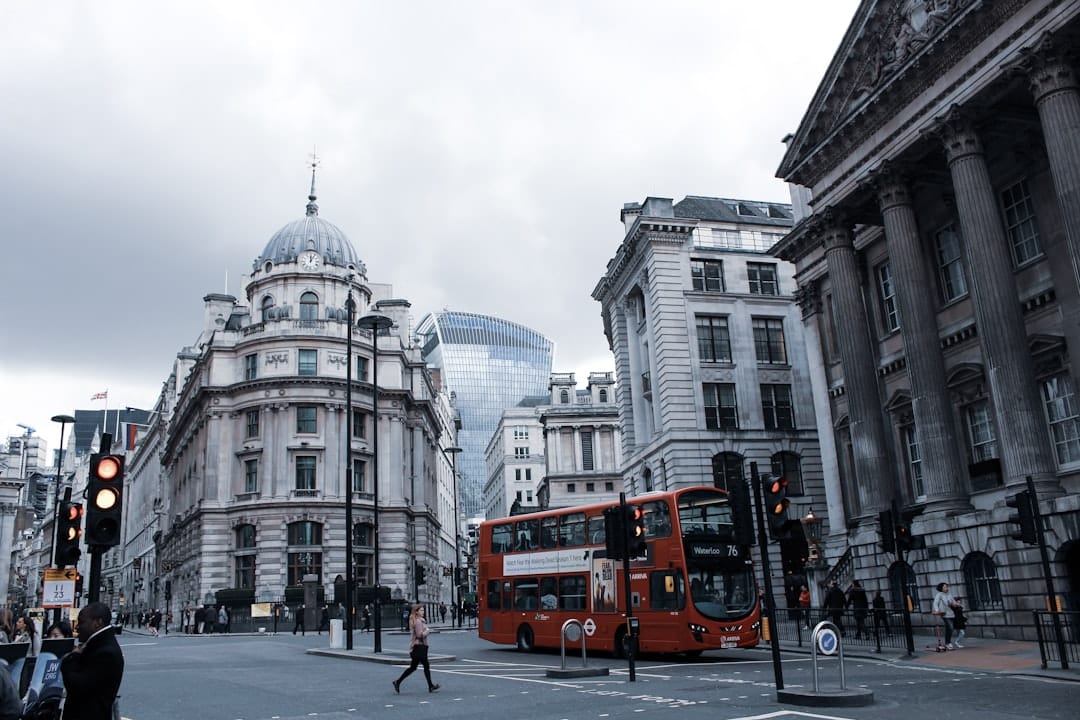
827 641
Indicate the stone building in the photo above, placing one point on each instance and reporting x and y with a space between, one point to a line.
250 491
710 362
936 180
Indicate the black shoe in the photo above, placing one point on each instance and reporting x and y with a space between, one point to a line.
433 688
397 686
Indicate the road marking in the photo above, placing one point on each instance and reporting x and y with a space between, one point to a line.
786 713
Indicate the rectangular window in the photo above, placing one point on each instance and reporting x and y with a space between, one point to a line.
707 275
521 453
586 450
714 340
521 432
950 263
363 568
252 423
914 461
251 476
769 342
609 487
245 572
359 424
304 563
362 369
517 474
590 487
721 412
1020 222
251 366
359 477
571 487
890 315
306 419
762 277
502 538
572 528
1059 397
529 496
572 592
528 473
309 363
517 496
305 472
776 407
981 432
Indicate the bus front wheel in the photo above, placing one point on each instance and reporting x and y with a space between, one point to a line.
525 641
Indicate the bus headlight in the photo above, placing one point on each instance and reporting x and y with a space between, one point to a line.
698 629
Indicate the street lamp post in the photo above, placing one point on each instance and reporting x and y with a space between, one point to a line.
375 322
63 420
350 306
455 591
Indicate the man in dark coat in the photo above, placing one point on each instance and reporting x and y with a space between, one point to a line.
857 601
834 604
93 670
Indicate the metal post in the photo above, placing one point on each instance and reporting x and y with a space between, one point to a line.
350 306
631 641
1058 634
763 546
455 591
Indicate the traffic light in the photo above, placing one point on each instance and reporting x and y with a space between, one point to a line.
742 518
887 530
776 505
1023 518
902 538
635 525
105 495
615 532
68 534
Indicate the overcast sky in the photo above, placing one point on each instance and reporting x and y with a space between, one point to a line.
477 154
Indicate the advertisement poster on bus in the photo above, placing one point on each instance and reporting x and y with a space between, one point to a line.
603 594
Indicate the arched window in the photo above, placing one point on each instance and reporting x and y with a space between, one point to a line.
309 306
789 465
603 395
981 582
267 304
646 478
902 581
727 468
305 533
564 397
245 537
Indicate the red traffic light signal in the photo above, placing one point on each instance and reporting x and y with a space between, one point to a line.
776 505
68 534
105 493
635 526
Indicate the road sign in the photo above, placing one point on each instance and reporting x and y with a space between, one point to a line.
61 574
827 641
58 594
589 626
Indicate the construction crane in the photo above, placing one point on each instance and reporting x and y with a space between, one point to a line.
29 430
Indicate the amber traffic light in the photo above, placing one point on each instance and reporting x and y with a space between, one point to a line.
105 496
69 534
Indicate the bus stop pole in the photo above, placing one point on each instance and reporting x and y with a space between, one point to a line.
769 610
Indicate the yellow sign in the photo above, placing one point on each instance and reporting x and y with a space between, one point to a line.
60 574
35 613
260 610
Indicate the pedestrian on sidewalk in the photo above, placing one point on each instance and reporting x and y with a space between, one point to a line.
959 622
442 613
299 620
418 649
834 604
856 599
223 619
943 603
881 615
804 606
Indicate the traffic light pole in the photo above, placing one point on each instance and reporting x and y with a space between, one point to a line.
1058 634
631 645
763 547
93 590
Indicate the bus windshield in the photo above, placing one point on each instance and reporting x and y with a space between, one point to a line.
720 574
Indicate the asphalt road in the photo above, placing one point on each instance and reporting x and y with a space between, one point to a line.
271 678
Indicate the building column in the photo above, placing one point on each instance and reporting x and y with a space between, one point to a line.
1023 442
945 477
1056 90
871 490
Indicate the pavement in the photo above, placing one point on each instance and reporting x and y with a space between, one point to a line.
1005 657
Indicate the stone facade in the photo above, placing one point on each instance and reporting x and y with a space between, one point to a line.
937 261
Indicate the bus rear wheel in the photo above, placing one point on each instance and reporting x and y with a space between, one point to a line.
525 640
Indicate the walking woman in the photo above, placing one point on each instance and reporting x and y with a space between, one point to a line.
418 649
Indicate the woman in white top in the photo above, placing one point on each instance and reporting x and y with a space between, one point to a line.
943 604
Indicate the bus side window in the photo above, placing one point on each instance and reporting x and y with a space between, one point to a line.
525 595
549 594
527 533
502 537
572 530
549 531
597 533
572 592
493 595
657 519
667 590
506 595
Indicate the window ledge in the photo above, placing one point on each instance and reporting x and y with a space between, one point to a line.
306 493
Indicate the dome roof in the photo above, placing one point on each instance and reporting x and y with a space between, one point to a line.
310 233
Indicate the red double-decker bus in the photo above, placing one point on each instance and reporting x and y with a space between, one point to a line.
692 590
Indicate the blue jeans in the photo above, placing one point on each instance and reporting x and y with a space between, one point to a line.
947 622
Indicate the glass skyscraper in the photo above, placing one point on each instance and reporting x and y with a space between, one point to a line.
488 364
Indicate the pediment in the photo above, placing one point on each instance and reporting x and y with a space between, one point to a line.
884 41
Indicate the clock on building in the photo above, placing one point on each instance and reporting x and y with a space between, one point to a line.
310 260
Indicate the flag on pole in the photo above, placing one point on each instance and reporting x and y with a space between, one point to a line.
100 396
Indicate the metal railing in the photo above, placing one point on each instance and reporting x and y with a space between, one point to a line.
1049 648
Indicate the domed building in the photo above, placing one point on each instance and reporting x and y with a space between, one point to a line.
239 490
